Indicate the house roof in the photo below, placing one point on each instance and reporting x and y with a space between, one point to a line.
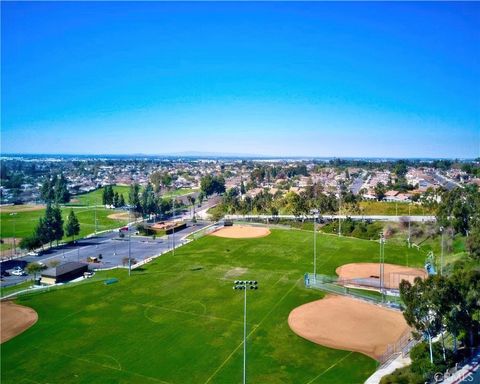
63 269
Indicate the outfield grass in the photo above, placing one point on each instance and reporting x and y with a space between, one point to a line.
179 321
26 221
393 209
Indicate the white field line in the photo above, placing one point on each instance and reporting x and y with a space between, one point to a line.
252 331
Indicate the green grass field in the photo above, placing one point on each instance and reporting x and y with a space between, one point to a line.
26 221
95 197
178 320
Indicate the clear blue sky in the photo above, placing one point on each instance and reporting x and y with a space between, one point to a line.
312 79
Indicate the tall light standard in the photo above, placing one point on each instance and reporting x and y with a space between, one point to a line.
314 249
339 213
245 285
95 213
14 214
441 255
173 228
409 219
129 244
382 262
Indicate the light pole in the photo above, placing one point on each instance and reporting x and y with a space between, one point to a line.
14 214
314 249
173 228
339 213
129 244
95 213
382 266
441 255
409 219
245 285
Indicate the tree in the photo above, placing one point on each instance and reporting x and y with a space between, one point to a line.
148 202
115 199
121 201
420 310
380 190
46 191
57 223
212 184
34 268
473 243
30 243
108 195
134 198
72 228
61 193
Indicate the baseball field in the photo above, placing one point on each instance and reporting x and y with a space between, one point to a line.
178 320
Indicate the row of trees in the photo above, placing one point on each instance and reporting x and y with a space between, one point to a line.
442 304
147 202
51 228
54 190
110 197
312 199
210 185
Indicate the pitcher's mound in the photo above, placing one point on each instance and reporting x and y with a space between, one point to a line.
345 323
15 319
241 232
369 274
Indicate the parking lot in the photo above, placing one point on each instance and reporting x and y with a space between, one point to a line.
109 248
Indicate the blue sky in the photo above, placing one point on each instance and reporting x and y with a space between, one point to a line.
308 79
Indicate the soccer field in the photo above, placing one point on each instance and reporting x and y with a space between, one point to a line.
178 320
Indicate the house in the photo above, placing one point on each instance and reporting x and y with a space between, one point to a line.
64 272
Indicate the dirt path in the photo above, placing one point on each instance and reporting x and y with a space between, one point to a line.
241 232
345 323
21 208
119 216
15 319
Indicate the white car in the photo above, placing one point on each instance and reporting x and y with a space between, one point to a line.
18 272
33 253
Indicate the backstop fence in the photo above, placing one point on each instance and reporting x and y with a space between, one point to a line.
351 288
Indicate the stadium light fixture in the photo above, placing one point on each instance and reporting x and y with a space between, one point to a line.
245 285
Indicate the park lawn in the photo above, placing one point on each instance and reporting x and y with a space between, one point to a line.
177 320
391 208
180 192
14 288
26 221
5 246
95 197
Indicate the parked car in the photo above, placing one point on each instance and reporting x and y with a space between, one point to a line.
17 271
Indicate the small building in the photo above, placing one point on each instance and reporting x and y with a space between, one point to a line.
64 272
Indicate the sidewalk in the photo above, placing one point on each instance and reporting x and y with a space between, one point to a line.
399 362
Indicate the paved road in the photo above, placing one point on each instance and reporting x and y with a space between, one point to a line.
357 185
111 246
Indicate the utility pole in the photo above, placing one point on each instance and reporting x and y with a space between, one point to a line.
244 285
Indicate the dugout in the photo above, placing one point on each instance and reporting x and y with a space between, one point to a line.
64 272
